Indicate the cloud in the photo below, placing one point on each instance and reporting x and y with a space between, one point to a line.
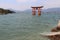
8 6
26 4
16 7
52 3
22 1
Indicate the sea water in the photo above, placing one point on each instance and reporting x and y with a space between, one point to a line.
24 26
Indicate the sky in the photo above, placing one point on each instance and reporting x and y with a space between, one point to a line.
26 4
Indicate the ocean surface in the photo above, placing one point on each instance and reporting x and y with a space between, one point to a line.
24 26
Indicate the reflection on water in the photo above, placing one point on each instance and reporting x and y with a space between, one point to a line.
24 26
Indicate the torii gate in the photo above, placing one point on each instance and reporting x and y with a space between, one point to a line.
36 8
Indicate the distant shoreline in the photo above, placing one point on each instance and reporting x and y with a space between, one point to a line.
6 11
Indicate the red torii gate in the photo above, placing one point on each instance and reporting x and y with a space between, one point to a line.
36 8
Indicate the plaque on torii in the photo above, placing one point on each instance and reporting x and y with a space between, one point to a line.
36 8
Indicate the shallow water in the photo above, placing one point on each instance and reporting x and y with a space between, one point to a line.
24 26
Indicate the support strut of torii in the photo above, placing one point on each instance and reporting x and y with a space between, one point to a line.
36 8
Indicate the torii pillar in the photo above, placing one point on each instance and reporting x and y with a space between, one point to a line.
36 8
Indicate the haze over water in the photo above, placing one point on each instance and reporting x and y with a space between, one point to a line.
24 26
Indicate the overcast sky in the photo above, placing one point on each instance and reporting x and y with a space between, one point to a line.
26 4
